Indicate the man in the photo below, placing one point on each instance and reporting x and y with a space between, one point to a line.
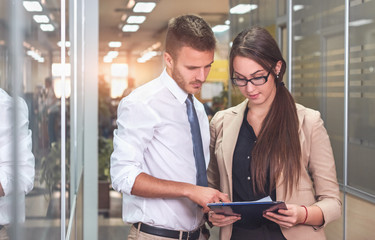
25 163
153 163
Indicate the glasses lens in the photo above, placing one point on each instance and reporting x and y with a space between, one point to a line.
258 81
239 81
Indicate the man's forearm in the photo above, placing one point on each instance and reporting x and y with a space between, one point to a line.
151 187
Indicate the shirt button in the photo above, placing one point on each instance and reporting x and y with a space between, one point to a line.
248 157
248 178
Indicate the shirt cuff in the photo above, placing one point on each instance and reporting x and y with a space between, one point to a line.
4 183
129 181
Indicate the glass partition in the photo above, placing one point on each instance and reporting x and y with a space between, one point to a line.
31 77
318 65
361 142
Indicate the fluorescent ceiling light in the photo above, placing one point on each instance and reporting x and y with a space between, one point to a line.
112 54
220 28
136 19
144 7
47 27
67 44
114 44
360 22
32 6
130 28
243 8
298 7
41 18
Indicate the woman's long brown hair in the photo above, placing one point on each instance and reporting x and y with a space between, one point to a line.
277 151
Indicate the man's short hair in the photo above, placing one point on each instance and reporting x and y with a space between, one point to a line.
191 31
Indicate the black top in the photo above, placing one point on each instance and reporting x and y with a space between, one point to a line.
243 189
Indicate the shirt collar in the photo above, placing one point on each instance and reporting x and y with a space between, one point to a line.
172 86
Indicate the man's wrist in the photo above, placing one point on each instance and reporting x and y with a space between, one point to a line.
2 194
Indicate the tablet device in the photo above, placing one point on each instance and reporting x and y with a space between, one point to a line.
250 212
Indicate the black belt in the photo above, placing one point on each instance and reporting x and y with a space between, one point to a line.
161 232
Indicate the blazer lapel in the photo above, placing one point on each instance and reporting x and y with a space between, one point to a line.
231 126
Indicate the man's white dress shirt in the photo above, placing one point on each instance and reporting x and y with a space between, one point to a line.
154 137
25 157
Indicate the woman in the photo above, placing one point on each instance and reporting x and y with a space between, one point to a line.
270 146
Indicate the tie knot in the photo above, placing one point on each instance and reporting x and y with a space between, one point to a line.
189 99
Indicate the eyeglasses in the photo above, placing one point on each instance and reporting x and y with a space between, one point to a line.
257 81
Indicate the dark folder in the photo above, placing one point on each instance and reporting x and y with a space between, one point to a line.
250 212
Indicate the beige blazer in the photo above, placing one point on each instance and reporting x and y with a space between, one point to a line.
318 183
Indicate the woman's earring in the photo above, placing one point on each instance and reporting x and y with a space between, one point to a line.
277 76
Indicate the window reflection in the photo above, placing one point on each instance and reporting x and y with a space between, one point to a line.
40 113
12 186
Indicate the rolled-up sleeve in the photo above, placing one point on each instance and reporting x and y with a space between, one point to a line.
25 160
136 125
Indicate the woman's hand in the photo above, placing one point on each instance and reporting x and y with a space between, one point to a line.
221 220
287 218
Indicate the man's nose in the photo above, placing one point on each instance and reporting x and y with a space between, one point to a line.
201 74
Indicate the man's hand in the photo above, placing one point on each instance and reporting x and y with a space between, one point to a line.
203 195
220 220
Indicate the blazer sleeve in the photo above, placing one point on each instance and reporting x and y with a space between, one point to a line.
213 174
322 170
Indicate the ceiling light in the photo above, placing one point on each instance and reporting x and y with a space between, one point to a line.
32 6
67 44
144 7
41 18
298 7
136 19
360 22
114 44
112 54
243 8
220 28
130 28
47 27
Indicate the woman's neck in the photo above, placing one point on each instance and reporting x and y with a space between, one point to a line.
256 115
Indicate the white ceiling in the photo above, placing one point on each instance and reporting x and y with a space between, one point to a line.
110 23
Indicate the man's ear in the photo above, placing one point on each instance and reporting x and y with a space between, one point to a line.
168 60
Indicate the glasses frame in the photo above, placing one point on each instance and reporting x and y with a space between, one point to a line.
251 80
